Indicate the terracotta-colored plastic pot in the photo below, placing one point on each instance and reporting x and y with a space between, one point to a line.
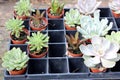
96 70
17 72
20 41
39 28
33 55
115 15
52 16
70 54
69 28
20 17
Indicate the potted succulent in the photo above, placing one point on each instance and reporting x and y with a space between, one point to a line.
72 19
15 61
87 7
38 21
100 54
38 45
22 9
56 10
73 45
93 26
115 7
114 37
18 33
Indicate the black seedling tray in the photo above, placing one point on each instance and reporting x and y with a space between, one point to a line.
56 65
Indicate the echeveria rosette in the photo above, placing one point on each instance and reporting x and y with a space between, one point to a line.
100 51
93 26
72 17
87 7
115 6
15 59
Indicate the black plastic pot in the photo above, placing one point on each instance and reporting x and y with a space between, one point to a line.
56 65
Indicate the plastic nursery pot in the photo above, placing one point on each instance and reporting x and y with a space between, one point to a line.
96 70
17 72
20 41
52 16
69 27
20 17
34 55
39 28
115 15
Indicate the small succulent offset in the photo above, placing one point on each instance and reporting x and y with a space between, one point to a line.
15 26
91 27
56 7
87 7
72 18
114 37
115 6
23 7
38 41
74 42
101 53
37 18
15 59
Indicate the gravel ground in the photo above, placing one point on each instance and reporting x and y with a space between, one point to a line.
6 12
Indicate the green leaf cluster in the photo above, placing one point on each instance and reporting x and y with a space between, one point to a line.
23 7
56 7
15 26
15 59
38 41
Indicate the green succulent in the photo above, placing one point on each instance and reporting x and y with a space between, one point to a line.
72 18
15 59
38 41
91 27
37 18
15 26
114 37
56 7
23 7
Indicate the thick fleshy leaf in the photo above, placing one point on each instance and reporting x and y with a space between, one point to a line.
91 62
111 53
107 63
96 40
86 51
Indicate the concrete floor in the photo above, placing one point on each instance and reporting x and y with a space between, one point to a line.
6 12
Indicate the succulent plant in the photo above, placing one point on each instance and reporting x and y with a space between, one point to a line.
101 53
56 7
15 26
74 42
23 7
114 37
38 41
91 27
87 7
72 18
37 18
115 6
15 59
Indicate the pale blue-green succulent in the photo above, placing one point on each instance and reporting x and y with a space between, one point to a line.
93 26
114 37
72 18
23 7
38 41
87 7
101 53
15 59
15 26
